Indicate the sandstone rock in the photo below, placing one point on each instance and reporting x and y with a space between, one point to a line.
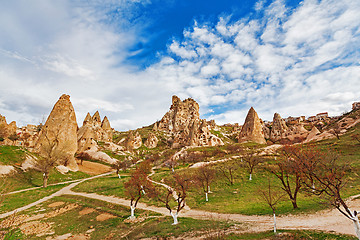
314 131
155 127
133 141
60 127
182 122
151 141
252 129
7 130
278 129
101 156
93 130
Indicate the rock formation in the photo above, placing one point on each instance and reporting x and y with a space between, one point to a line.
133 141
314 131
60 128
6 130
252 129
278 129
151 141
182 122
93 130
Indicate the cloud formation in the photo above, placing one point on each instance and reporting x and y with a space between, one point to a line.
292 60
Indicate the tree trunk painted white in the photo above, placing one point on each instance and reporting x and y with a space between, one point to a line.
274 223
132 216
208 189
355 220
172 169
119 175
206 197
250 178
175 216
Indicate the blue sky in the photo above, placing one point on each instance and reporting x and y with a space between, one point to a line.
126 58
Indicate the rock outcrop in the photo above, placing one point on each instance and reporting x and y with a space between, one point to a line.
252 129
6 130
133 141
94 130
278 129
151 141
60 128
183 124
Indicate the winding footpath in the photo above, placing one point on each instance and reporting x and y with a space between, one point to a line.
325 220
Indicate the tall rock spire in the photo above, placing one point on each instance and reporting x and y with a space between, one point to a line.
252 129
60 127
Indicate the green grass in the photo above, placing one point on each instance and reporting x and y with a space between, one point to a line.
14 201
11 155
32 178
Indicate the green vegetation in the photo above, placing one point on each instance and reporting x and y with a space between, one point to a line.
11 155
14 201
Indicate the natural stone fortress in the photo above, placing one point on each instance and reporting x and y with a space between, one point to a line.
181 125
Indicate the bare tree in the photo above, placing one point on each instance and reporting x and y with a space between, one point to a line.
51 154
180 185
272 198
250 159
121 165
171 163
204 175
228 170
291 179
336 130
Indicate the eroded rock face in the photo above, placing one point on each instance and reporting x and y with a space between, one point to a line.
151 141
93 130
182 122
252 129
60 127
133 141
279 128
6 130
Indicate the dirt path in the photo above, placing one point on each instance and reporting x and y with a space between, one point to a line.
58 193
326 220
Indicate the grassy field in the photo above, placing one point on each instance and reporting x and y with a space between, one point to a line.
13 201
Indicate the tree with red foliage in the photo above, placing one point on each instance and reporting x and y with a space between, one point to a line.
137 185
324 176
180 185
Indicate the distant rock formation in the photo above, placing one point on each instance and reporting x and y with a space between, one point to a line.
252 129
151 141
133 141
278 129
182 122
60 128
93 130
314 131
6 130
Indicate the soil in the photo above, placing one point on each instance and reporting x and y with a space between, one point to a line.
104 216
55 204
86 211
61 210
35 227
93 168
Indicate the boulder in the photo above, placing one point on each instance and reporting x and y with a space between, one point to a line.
252 129
314 131
60 128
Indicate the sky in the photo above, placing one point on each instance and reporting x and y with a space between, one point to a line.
126 58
